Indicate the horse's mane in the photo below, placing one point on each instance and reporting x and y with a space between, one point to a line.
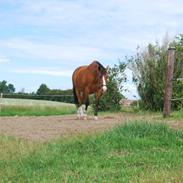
101 67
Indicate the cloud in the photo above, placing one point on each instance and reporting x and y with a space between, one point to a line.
54 51
87 29
4 59
68 33
44 71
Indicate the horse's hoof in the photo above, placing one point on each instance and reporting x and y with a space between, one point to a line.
85 116
78 117
95 118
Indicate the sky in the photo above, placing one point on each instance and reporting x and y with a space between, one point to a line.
43 41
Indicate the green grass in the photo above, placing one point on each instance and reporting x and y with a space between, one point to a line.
25 107
177 115
135 152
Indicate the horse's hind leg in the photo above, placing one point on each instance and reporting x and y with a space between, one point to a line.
79 104
84 110
80 111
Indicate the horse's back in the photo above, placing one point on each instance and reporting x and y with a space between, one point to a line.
86 78
79 75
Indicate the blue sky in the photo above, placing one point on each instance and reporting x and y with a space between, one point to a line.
43 41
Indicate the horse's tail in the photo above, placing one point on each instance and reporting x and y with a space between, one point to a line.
75 96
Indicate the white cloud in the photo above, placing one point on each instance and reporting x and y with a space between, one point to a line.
92 29
63 52
4 59
74 32
44 71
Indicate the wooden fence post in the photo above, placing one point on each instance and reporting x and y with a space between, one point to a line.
1 96
168 83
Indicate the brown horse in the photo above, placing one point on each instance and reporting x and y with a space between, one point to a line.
88 80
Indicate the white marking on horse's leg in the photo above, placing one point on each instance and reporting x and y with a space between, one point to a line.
95 117
104 87
84 112
78 113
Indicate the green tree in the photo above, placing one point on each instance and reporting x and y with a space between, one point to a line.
149 71
43 90
111 99
178 71
11 88
6 88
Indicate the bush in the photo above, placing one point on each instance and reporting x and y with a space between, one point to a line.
111 99
149 71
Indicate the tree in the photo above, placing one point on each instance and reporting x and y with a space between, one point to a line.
178 72
43 90
149 72
6 88
11 88
111 99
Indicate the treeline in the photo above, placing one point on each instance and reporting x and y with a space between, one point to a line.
43 93
58 98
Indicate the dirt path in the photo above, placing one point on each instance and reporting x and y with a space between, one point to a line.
45 128
48 127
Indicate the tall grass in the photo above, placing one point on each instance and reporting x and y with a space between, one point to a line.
130 153
21 107
36 110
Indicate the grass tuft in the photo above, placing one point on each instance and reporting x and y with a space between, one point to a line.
130 153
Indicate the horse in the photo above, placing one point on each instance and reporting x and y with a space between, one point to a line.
87 80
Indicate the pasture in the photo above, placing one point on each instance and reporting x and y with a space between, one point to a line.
27 107
119 147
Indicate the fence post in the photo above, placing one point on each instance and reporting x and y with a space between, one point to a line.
168 83
1 96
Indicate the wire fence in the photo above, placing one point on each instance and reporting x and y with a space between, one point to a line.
179 99
58 98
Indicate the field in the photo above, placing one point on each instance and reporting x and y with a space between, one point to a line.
119 147
22 107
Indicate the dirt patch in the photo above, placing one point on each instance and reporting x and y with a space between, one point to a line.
45 128
48 127
176 124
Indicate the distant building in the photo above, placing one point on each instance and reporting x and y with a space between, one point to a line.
126 102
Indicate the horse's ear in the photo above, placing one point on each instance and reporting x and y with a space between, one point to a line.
107 68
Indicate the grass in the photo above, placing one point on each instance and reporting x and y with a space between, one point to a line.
26 107
134 152
177 115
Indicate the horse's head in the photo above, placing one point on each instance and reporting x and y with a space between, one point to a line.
102 77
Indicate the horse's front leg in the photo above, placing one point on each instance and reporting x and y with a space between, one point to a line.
86 102
97 96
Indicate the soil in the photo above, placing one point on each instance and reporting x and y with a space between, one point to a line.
45 128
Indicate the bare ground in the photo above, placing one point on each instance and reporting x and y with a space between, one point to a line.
45 128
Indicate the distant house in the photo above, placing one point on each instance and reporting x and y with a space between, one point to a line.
126 102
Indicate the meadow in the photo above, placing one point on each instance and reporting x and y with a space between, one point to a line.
144 151
27 107
134 152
